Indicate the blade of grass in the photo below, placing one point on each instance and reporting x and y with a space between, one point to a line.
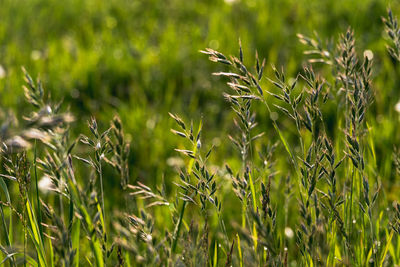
35 234
100 211
94 242
4 187
253 193
391 248
388 243
51 253
6 234
239 250
76 226
371 142
215 261
127 259
37 193
89 262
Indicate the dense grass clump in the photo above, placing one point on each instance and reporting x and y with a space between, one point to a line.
306 182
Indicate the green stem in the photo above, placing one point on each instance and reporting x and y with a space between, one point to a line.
6 234
37 195
102 192
372 235
102 207
178 227
71 213
182 212
4 226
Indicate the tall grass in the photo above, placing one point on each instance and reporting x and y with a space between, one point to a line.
307 191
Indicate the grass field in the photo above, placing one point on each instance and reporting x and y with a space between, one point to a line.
199 133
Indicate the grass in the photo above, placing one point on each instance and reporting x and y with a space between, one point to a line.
296 165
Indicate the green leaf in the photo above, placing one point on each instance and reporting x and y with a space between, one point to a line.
51 253
239 251
388 243
215 261
35 235
94 242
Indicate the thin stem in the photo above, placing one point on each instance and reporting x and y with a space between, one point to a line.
37 194
102 194
25 232
61 206
178 227
182 212
372 235
6 234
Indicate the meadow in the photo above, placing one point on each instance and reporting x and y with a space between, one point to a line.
199 133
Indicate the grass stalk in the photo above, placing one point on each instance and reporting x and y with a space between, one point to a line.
37 192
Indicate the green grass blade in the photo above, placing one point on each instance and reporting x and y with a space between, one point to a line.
4 226
239 251
7 194
127 259
37 195
4 188
215 261
89 262
94 242
385 251
285 144
178 227
371 142
76 226
51 253
35 234
253 193
100 211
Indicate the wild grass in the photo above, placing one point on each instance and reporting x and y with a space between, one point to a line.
308 191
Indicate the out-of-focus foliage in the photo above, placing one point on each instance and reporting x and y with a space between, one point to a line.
141 57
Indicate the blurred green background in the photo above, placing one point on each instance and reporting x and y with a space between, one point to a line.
141 59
